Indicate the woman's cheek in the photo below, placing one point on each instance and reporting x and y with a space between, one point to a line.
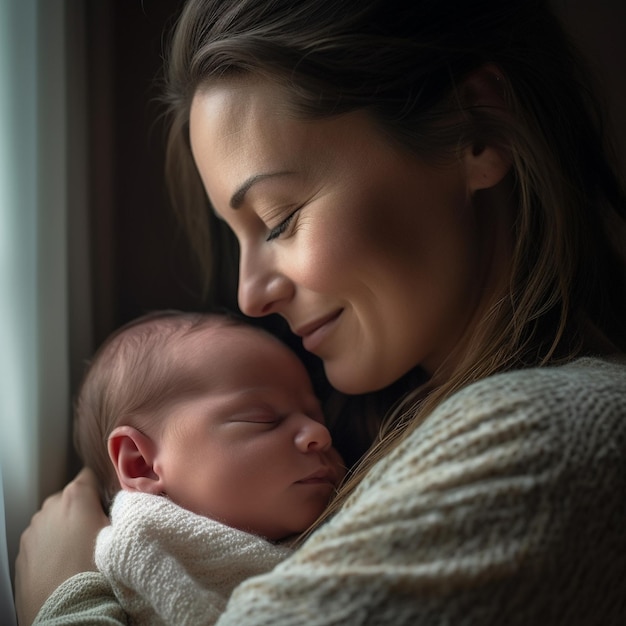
321 257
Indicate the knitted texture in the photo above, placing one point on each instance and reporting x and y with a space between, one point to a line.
507 506
167 565
83 600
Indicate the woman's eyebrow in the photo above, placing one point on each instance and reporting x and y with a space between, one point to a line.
238 197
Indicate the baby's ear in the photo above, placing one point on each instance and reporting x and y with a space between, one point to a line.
132 453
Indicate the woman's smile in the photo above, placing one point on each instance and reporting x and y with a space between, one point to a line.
315 333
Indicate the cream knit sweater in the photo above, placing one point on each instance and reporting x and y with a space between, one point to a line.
507 506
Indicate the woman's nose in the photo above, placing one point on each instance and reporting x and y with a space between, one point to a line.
312 436
262 288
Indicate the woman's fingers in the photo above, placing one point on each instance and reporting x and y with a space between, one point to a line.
58 543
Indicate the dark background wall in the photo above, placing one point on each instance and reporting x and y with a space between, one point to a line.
140 261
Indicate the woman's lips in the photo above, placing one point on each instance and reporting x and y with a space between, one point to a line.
313 334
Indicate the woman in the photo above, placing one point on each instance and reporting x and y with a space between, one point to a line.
421 190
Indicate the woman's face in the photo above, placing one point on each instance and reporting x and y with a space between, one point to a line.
372 256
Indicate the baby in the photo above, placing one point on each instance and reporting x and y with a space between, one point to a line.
212 430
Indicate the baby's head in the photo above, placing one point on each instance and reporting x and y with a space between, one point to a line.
217 415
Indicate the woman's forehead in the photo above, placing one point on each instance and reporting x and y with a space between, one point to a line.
244 129
224 105
238 130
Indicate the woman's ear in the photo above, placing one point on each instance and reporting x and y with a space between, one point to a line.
132 453
482 94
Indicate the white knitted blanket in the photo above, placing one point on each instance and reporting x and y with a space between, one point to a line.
167 565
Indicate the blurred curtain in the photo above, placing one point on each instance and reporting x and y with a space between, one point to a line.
36 252
7 610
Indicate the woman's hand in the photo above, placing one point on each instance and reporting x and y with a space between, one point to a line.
58 544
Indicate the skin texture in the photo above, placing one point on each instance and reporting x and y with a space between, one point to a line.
336 222
248 448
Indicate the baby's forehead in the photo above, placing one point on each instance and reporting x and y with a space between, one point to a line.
231 330
225 338
217 357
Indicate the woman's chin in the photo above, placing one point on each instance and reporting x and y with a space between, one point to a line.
352 380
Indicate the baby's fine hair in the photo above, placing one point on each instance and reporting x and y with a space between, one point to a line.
136 373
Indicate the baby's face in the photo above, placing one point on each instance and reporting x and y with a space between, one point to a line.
252 451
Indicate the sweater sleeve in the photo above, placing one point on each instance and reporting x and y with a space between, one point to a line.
84 600
505 507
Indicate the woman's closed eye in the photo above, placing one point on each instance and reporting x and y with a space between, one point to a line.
277 231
